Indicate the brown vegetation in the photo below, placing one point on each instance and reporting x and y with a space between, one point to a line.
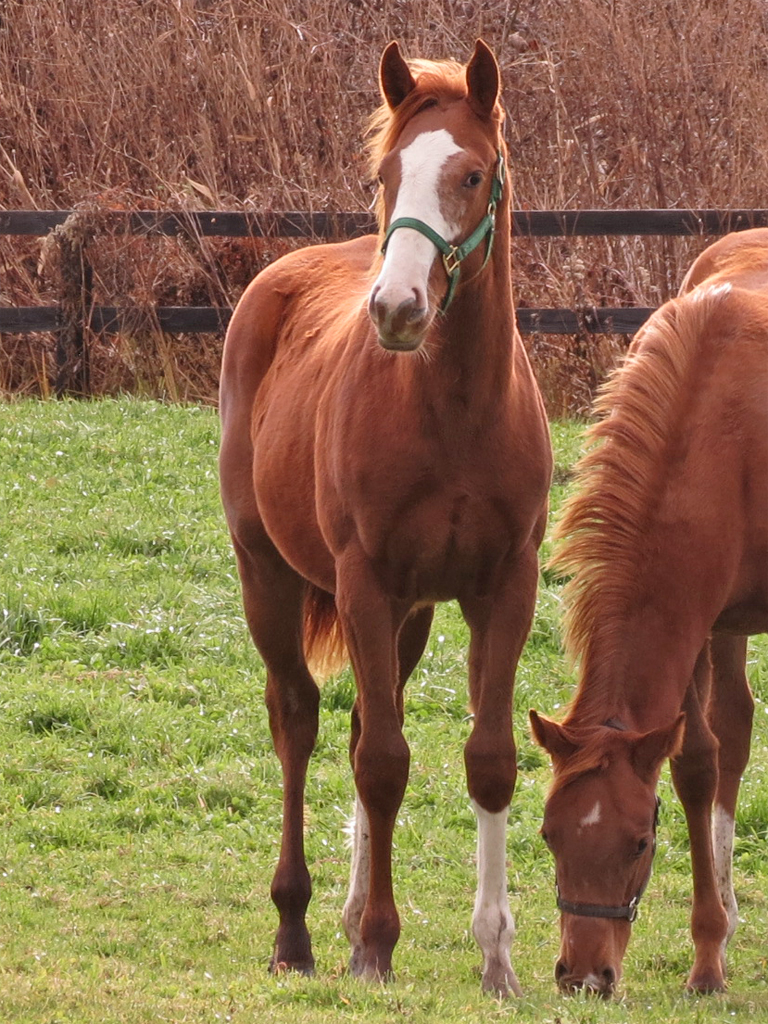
243 104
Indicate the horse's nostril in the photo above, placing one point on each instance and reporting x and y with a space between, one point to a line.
561 969
609 977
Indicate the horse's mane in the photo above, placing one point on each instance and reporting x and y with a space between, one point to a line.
599 539
436 82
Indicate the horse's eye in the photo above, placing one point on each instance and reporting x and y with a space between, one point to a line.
473 180
544 836
642 846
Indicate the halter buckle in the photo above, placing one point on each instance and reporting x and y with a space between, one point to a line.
451 260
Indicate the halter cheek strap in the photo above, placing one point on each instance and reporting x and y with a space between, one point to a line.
453 255
627 912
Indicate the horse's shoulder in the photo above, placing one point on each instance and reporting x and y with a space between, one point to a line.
355 254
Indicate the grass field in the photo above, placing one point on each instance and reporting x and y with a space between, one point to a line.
139 795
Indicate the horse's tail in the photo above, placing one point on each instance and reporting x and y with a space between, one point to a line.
324 646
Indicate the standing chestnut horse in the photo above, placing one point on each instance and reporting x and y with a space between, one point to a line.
667 538
384 448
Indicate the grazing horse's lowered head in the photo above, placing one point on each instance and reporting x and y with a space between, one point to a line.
441 181
600 826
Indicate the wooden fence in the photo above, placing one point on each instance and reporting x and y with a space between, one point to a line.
76 314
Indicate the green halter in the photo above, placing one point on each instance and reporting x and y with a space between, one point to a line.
454 254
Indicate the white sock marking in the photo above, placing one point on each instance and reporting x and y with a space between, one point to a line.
359 874
492 923
722 847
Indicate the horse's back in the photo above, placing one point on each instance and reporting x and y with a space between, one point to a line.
740 258
723 477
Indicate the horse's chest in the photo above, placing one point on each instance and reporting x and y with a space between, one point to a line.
437 546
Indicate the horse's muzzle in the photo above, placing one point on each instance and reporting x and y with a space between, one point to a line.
601 983
401 329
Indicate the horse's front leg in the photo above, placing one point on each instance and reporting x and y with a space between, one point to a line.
499 625
371 623
411 642
694 773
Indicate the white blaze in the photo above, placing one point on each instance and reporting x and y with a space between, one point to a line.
410 254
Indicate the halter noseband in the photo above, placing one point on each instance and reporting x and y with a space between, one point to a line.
453 255
627 912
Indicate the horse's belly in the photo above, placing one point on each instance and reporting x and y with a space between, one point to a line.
746 612
283 477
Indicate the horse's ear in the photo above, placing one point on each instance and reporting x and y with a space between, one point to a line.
651 749
551 736
483 80
395 78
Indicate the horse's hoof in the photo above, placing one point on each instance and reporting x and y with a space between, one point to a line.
366 969
705 982
501 981
304 967
356 961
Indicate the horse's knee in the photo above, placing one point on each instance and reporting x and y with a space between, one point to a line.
491 771
381 773
293 710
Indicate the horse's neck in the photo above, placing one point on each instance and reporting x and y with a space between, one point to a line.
479 342
637 672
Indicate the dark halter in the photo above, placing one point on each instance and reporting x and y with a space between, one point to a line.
627 912
454 254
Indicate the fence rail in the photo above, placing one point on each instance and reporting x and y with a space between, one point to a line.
211 319
324 225
76 314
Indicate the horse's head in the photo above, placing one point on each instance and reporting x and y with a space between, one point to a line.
438 157
600 825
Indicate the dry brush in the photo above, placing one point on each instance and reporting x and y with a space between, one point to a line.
243 104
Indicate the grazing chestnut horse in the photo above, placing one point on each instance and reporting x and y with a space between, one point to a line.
667 538
385 447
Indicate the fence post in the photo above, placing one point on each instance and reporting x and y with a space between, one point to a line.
73 358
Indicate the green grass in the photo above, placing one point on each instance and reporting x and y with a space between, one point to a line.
140 798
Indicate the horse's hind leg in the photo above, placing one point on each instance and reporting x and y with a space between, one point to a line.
410 646
694 773
273 596
730 717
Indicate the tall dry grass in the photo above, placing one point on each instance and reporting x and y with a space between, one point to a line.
245 104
